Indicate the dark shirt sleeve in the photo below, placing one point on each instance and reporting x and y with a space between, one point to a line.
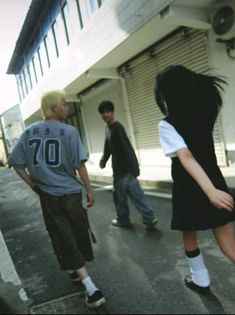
128 154
124 141
125 144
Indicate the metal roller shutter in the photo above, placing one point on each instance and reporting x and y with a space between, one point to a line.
187 47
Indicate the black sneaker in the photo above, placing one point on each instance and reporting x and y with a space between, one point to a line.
151 225
74 276
115 222
95 300
193 286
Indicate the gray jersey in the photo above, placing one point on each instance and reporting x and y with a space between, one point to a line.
51 151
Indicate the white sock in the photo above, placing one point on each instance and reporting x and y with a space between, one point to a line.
198 270
89 285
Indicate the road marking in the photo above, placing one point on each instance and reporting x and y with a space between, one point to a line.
99 187
7 269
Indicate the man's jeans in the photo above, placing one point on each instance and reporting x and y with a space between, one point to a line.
127 185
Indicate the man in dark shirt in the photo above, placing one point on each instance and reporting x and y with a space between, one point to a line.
125 170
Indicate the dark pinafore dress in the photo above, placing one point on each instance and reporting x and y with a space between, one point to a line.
192 210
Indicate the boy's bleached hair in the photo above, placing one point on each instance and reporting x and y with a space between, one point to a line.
50 99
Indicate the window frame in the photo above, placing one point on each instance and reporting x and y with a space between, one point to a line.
65 23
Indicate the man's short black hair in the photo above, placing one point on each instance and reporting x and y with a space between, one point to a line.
106 106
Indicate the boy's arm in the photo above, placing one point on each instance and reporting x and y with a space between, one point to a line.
218 198
26 178
82 171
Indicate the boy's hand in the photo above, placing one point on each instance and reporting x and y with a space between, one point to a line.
36 189
90 199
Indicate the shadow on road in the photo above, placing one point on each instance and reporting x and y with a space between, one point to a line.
5 308
213 304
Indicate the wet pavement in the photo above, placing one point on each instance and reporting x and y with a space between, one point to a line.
139 272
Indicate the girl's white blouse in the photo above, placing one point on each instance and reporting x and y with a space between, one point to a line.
171 141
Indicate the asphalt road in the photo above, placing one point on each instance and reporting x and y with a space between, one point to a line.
139 272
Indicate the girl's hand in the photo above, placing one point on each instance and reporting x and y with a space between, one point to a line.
221 199
90 199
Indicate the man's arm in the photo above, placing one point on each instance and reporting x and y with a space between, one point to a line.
82 171
218 198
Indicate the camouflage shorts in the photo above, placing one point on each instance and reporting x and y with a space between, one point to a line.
68 227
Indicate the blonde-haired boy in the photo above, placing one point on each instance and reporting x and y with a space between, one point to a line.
52 152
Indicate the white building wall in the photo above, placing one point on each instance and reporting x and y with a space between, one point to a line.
12 125
103 32
107 28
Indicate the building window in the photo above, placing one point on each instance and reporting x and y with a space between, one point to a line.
44 58
100 2
46 50
27 79
29 76
60 31
54 34
51 47
40 60
92 5
22 86
79 14
65 16
24 81
34 70
19 88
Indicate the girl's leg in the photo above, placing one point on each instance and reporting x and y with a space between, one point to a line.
199 278
225 238
82 273
190 241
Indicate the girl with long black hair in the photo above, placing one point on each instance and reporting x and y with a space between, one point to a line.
201 199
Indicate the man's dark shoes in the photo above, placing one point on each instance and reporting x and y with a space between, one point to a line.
151 225
95 300
193 286
116 222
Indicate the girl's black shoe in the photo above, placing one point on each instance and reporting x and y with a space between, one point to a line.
193 286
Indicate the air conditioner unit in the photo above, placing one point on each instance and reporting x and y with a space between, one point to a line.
223 20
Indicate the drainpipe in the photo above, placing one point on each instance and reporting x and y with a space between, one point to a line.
3 138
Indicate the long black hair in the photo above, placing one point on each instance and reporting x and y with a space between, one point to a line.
188 96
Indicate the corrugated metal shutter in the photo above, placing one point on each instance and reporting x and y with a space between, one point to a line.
188 47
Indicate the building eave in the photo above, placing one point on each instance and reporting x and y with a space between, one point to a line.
30 26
